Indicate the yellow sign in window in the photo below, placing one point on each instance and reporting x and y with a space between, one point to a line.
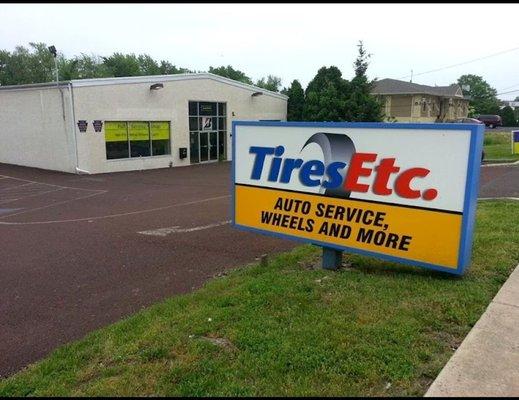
159 130
139 131
115 131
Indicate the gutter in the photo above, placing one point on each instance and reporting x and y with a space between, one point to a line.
74 132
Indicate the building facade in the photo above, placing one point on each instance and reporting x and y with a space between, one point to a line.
123 124
411 102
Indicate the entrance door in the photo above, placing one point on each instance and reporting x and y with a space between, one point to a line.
207 131
213 146
204 146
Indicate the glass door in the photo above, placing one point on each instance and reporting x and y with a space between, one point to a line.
213 146
204 146
194 148
207 131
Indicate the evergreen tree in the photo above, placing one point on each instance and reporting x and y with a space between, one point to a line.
296 101
361 105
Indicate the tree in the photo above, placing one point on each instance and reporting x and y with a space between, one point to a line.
166 68
508 116
361 105
27 65
271 83
147 65
325 96
91 66
35 64
482 96
296 101
231 73
119 64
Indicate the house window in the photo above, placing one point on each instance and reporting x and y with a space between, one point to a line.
132 139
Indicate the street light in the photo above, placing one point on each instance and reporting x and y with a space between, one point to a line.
54 53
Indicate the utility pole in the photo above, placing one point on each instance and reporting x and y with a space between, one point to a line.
411 76
54 53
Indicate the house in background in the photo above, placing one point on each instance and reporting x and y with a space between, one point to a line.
411 102
509 103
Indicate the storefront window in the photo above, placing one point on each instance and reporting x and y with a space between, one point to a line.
139 133
127 139
116 138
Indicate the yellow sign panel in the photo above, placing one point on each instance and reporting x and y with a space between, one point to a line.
404 232
138 131
159 130
115 131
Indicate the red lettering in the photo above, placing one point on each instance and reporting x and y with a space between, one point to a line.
403 182
384 171
355 170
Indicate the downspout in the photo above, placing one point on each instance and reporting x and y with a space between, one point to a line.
74 132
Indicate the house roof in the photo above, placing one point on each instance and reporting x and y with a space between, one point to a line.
146 79
394 86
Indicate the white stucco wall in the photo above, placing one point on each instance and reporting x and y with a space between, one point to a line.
36 129
136 102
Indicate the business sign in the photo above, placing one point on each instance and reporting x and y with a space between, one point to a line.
139 131
515 142
159 130
116 131
404 192
207 123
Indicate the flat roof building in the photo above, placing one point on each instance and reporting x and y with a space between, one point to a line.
131 123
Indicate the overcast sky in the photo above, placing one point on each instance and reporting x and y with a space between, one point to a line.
290 40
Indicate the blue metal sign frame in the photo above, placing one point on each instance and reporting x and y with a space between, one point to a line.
471 186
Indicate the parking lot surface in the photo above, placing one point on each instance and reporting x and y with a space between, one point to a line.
82 251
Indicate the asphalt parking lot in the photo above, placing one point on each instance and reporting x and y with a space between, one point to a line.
80 252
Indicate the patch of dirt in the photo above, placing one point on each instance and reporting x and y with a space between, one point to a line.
224 343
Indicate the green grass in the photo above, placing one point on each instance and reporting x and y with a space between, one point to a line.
374 328
497 146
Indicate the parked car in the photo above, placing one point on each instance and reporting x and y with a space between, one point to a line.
491 120
468 121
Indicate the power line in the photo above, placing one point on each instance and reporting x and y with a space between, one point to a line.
511 91
510 87
463 63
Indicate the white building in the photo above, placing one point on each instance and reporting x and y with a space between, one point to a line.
123 124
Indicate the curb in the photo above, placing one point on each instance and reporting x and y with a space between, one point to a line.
498 164
487 362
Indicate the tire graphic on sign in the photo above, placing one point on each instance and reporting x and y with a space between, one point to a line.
335 147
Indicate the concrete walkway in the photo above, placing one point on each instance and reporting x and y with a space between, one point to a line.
487 362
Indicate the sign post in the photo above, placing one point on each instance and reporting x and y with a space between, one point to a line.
401 192
332 259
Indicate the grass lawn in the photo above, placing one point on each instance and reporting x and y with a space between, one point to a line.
497 146
374 328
